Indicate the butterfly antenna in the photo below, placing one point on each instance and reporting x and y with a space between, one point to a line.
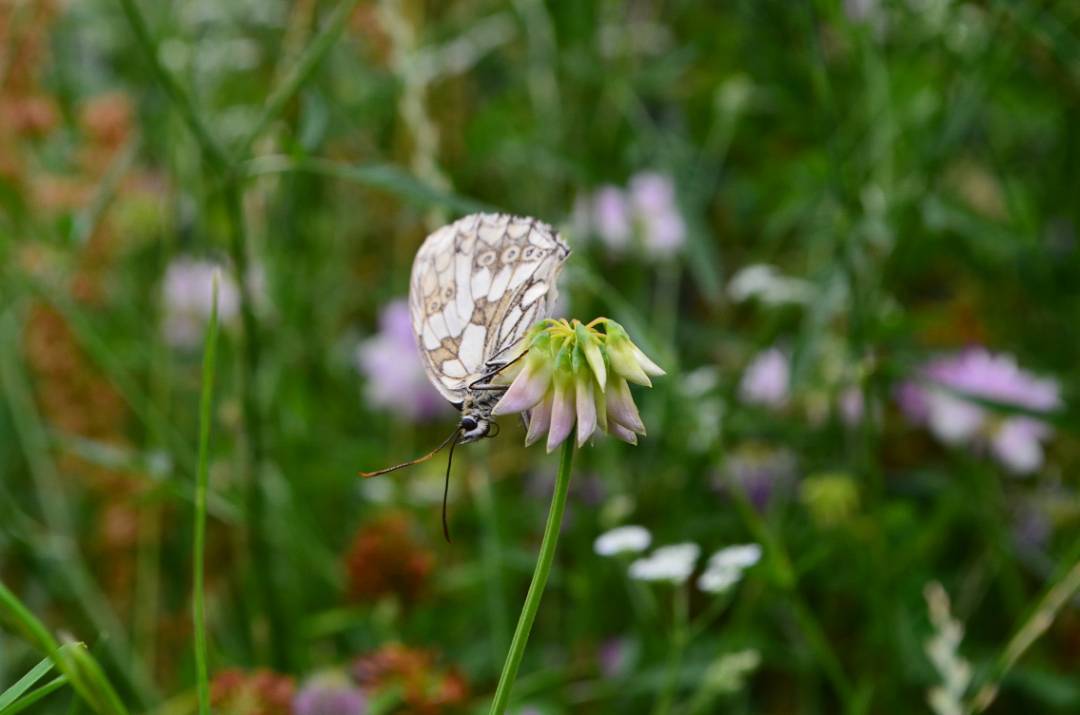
446 488
418 460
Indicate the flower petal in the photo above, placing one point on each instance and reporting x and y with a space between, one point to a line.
586 407
625 365
648 365
527 389
617 431
621 407
539 420
593 355
562 414
600 410
621 354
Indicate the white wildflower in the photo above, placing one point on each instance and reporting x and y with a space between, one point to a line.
740 556
942 649
726 567
718 580
630 539
672 563
765 283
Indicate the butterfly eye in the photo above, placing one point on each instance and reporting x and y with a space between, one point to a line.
510 255
486 258
468 424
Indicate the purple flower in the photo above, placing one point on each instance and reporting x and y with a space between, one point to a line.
766 380
938 400
187 296
648 208
614 656
652 196
391 363
329 696
851 406
611 217
760 472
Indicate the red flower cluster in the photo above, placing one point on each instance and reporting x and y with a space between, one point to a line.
426 688
258 692
386 559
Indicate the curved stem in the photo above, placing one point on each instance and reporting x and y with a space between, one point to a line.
539 581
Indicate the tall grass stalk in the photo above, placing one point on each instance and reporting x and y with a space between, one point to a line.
206 402
1035 626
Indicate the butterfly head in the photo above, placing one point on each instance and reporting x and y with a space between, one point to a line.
474 427
476 422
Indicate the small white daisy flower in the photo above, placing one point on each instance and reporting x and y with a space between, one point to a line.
726 567
630 539
672 563
720 580
740 556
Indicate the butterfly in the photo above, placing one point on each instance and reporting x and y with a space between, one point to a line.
477 286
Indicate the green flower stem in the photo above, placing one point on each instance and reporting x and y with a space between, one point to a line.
539 581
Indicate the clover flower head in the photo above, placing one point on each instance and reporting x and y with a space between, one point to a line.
187 297
630 539
577 374
673 563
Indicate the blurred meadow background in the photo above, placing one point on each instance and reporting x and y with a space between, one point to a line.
846 229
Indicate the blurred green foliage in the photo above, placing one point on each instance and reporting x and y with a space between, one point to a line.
915 163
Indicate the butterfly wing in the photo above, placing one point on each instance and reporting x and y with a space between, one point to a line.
477 286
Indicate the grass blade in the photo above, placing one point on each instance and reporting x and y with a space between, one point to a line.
71 659
35 695
24 683
206 401
299 74
389 178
